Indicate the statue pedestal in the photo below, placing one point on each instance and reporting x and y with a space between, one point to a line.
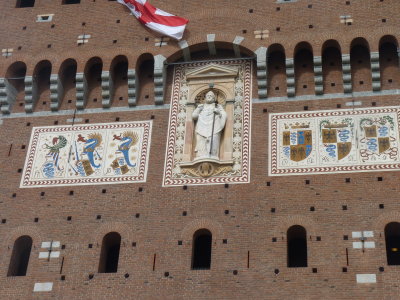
206 167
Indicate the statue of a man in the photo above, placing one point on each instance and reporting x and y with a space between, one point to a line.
211 119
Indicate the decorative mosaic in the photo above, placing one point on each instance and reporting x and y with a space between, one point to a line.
176 173
353 140
87 154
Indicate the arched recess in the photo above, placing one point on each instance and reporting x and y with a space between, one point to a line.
20 256
276 71
119 79
201 253
392 239
389 63
14 85
67 77
332 67
41 81
109 255
145 73
304 69
360 61
297 247
93 71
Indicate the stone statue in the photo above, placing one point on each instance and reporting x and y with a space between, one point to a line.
211 119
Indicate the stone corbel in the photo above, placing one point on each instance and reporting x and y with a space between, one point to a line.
160 75
56 92
8 95
133 85
31 93
107 89
81 90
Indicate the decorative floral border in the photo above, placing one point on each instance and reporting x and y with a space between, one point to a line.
26 181
275 170
179 92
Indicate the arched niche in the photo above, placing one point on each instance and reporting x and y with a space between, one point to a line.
221 80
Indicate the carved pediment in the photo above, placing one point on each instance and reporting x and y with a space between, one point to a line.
212 71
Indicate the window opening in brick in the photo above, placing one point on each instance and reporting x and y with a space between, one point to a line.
360 61
16 78
296 247
381 206
201 254
388 61
25 3
20 256
71 1
392 239
381 269
110 253
145 71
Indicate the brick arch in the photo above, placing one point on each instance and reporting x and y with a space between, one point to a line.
124 231
379 33
214 227
348 40
284 223
5 65
384 219
200 40
10 238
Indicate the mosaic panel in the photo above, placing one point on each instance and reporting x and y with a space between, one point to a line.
87 154
341 141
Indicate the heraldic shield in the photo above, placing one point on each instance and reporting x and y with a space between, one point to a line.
377 138
336 141
297 143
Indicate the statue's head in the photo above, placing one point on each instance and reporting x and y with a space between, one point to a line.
210 97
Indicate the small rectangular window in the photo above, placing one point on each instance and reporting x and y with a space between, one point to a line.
71 1
25 3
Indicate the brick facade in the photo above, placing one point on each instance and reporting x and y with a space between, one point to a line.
312 61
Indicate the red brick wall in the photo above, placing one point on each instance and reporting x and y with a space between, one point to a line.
250 226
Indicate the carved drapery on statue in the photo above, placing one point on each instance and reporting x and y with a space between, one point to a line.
209 125
210 120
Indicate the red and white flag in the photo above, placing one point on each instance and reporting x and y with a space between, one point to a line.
156 19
